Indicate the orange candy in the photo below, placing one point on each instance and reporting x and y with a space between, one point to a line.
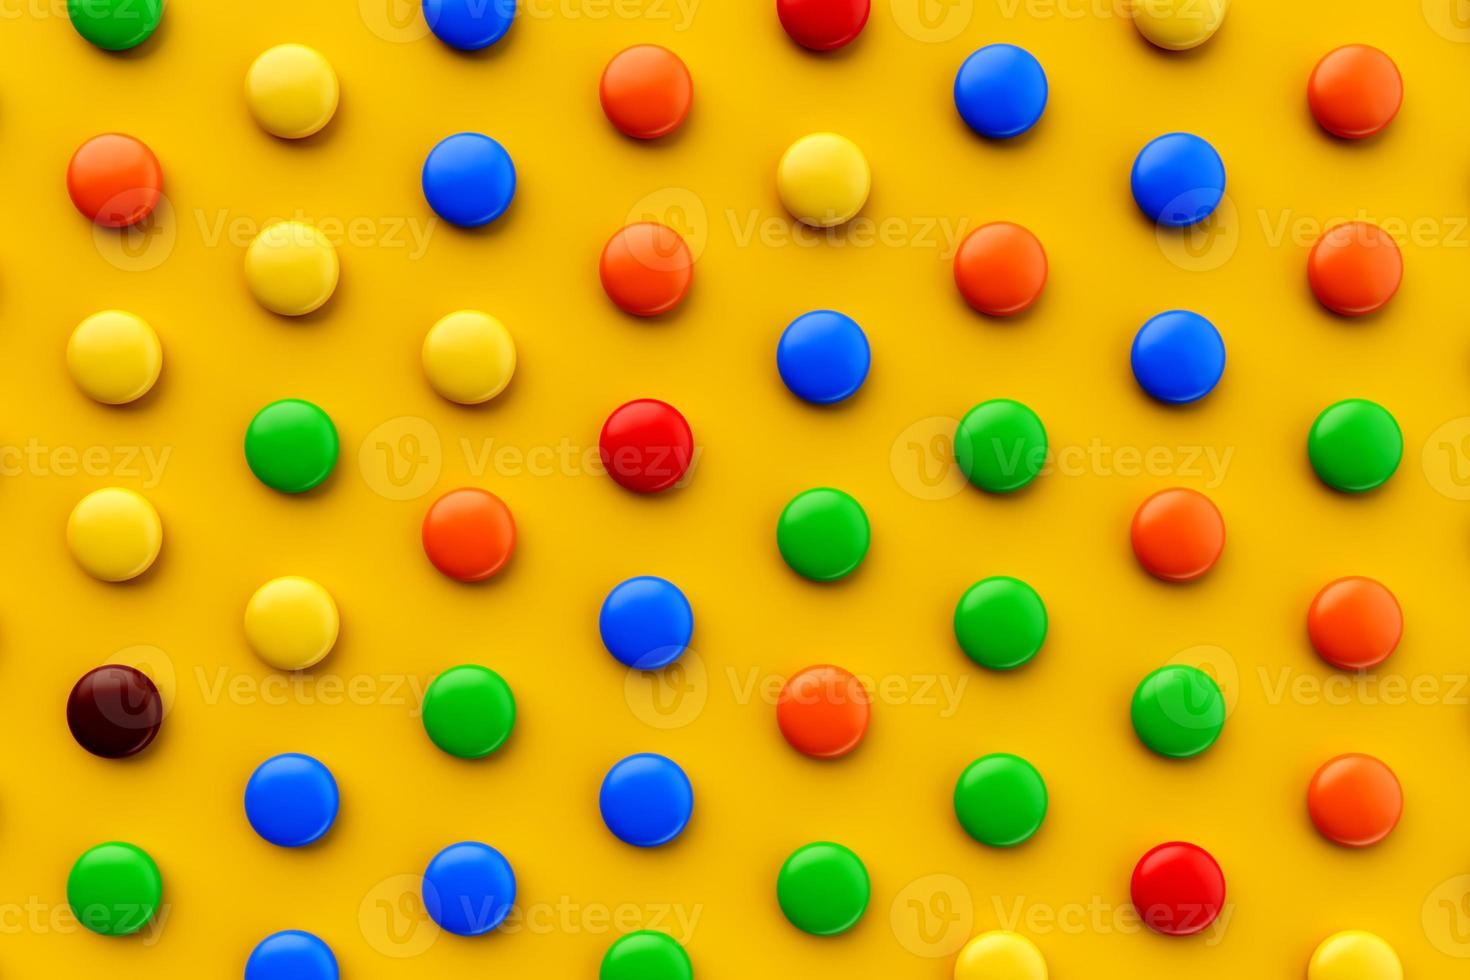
1000 268
823 711
115 180
646 91
646 269
1355 800
1355 623
469 534
1355 268
1178 534
1355 91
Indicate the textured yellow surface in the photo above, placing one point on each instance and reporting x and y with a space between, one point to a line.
535 269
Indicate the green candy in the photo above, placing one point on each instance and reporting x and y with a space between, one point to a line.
291 445
115 25
823 889
1355 445
114 889
1000 622
646 955
823 534
1000 445
469 711
1178 711
1000 800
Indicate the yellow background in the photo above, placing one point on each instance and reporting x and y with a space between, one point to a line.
756 800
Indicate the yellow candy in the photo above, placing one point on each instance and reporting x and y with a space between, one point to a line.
1178 25
292 91
1354 955
469 357
291 268
291 623
823 179
1000 956
114 534
114 357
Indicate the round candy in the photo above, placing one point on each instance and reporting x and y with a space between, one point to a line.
469 534
1178 357
114 357
469 178
1000 800
1178 180
291 800
1178 711
1178 534
1354 955
823 534
823 889
469 25
1355 268
823 357
469 711
646 446
646 623
1355 623
1178 25
1355 800
1000 956
646 955
1000 622
823 711
646 91
646 268
113 179
1355 91
469 888
823 179
114 889
291 445
1178 889
1000 269
291 955
292 91
1355 445
823 25
1000 445
291 268
291 623
114 534
114 711
1000 91
115 25
469 357
646 800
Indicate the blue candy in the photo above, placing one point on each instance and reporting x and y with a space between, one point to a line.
1000 91
646 623
1178 357
1178 180
469 179
646 800
291 800
291 955
823 357
469 888
469 24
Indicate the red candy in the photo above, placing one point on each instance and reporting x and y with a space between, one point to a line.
114 180
823 25
823 712
646 268
469 534
646 445
1178 889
